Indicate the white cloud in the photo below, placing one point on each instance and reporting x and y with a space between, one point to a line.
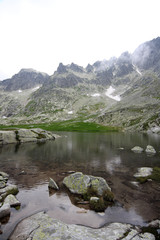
41 33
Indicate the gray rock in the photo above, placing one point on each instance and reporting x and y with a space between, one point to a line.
7 137
2 184
12 201
4 175
143 172
150 149
26 135
10 189
40 226
53 184
79 183
155 129
5 210
137 149
155 224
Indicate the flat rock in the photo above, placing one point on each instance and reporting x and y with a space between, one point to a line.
26 135
52 184
40 226
143 172
150 149
12 201
5 210
137 149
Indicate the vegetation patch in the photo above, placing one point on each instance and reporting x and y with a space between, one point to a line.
68 125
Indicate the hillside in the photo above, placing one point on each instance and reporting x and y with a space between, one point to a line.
123 92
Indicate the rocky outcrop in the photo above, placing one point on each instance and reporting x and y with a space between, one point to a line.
40 226
26 135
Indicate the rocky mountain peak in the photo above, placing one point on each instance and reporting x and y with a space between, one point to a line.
147 55
61 68
76 68
24 79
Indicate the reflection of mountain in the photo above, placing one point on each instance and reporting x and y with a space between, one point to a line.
121 91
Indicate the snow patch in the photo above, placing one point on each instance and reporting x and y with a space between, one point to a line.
36 88
96 95
19 90
137 70
4 117
109 93
70 112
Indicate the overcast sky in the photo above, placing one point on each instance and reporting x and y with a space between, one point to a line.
41 33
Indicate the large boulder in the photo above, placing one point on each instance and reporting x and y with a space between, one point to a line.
80 184
40 226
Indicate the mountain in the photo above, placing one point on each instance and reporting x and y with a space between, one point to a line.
25 79
122 92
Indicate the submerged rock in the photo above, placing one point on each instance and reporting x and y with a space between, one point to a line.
52 184
150 149
40 226
143 172
137 149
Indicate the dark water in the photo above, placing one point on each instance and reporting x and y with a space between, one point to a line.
30 165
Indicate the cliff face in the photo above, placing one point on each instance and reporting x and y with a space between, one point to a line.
122 91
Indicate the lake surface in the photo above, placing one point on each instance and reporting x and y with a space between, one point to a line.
107 155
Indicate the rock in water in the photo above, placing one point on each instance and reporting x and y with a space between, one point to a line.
150 150
10 189
40 226
79 184
52 184
12 201
5 210
137 149
143 172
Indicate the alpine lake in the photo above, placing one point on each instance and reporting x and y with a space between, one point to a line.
106 155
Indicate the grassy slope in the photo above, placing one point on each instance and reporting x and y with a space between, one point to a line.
70 125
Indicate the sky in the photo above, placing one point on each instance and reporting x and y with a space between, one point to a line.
40 34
